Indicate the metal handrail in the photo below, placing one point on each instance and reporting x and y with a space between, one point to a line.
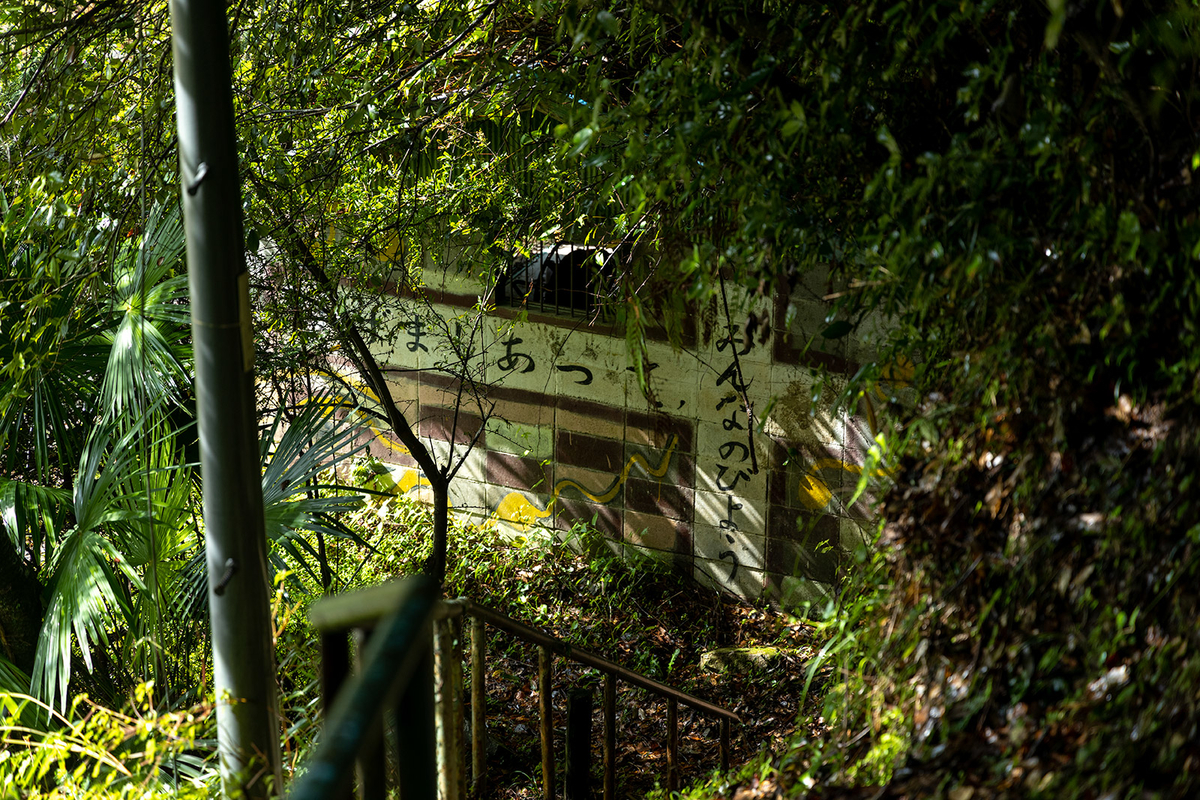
398 668
562 648
549 644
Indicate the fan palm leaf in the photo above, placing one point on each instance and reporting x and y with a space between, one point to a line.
89 576
293 503
32 516
49 359
157 545
293 458
147 354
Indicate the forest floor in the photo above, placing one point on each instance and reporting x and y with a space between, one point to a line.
635 612
767 698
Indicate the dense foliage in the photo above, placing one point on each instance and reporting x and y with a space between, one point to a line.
101 543
1011 185
1015 190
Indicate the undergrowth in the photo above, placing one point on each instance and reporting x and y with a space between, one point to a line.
634 610
624 606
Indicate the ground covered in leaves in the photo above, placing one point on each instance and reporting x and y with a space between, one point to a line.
635 612
767 699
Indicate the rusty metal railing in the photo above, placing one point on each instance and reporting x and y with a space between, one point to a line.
425 689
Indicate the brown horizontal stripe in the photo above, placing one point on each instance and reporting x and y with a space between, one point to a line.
653 497
590 408
581 450
518 472
608 519
440 423
657 430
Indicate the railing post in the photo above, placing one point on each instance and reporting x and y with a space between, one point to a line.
416 748
371 764
579 744
610 736
460 744
724 745
448 668
672 744
478 709
546 710
335 665
335 668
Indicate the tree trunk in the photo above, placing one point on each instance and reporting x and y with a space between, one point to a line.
435 565
355 348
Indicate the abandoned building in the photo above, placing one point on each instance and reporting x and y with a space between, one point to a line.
729 465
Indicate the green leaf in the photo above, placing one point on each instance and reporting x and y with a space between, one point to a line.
608 23
581 140
1058 16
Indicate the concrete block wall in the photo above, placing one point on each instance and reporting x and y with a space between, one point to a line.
562 434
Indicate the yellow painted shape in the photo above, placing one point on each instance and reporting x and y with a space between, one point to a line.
391 250
901 371
368 421
815 493
517 509
410 480
605 496
611 492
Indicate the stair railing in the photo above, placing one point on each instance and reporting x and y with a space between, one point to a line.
393 633
399 669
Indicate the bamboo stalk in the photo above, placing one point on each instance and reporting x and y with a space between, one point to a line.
247 705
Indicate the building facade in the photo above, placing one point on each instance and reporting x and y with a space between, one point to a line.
552 429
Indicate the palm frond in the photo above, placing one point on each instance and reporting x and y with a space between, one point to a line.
148 350
316 440
32 516
49 365
12 678
86 597
16 707
157 544
293 458
88 571
293 502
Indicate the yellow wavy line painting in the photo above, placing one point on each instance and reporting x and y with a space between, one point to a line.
517 509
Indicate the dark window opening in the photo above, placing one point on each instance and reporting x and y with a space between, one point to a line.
564 279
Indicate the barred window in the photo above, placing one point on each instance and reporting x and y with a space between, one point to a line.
563 279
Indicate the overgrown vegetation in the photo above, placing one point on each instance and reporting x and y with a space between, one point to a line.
637 612
1026 212
1010 185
